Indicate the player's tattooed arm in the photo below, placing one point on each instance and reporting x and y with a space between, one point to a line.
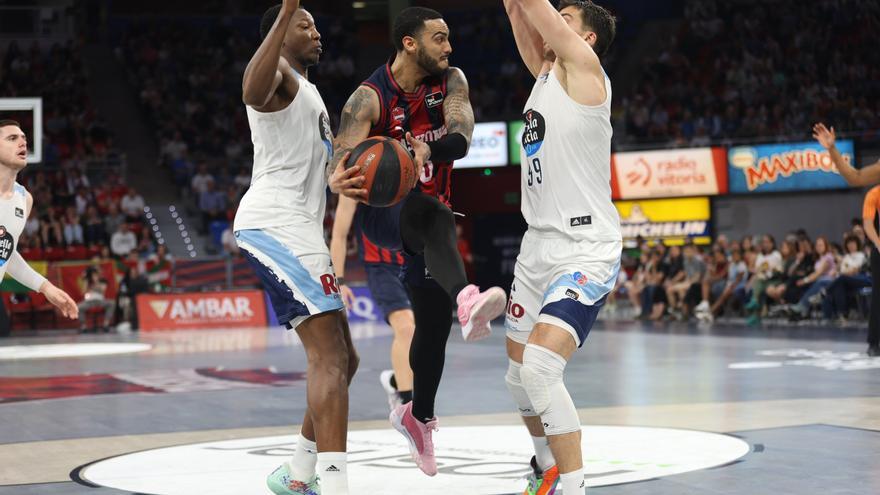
457 105
359 115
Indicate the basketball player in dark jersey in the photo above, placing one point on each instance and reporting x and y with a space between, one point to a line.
420 100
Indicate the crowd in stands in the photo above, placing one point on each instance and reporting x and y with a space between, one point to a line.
799 278
736 71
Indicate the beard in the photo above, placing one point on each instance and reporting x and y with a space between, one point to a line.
428 64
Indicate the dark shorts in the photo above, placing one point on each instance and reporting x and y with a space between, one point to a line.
386 287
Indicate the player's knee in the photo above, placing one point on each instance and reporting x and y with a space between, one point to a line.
514 384
541 370
333 364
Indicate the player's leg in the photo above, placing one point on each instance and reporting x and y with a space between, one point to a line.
403 324
432 310
523 307
389 293
304 296
428 226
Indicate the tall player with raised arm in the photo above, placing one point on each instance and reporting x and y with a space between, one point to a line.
279 228
420 100
570 255
15 207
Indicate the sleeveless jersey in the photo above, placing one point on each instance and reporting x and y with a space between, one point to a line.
368 252
566 164
291 150
13 213
420 113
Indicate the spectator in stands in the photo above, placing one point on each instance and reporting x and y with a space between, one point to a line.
636 284
212 204
134 282
824 272
174 148
32 226
768 267
113 218
804 266
200 181
132 206
82 200
123 241
714 282
243 179
145 246
161 255
789 251
653 297
52 233
94 290
846 286
94 232
73 231
685 295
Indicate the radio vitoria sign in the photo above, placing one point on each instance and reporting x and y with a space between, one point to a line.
487 460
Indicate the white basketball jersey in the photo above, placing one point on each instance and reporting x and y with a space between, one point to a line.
13 213
566 164
291 150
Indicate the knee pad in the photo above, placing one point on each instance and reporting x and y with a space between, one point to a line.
514 384
541 376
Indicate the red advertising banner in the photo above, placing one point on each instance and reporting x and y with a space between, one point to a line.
228 309
669 173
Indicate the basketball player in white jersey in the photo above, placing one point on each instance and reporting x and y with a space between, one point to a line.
15 206
570 255
279 228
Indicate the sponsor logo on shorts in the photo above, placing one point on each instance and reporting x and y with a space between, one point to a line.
579 278
572 294
328 283
515 311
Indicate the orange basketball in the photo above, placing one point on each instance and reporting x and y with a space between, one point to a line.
388 167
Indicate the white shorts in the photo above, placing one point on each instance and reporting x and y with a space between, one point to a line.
562 282
294 265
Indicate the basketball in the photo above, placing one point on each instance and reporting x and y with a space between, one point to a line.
388 168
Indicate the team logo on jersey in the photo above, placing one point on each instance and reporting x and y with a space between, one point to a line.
19 212
434 99
398 114
7 245
326 133
533 133
579 278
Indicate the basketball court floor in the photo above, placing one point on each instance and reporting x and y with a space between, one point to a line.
667 409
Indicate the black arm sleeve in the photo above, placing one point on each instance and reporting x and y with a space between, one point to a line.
448 148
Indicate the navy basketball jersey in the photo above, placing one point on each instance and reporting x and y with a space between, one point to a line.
420 113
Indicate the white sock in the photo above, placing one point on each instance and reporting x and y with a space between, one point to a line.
573 483
333 473
302 464
543 455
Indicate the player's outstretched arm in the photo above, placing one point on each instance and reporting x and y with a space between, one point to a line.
263 74
345 211
359 115
528 41
866 176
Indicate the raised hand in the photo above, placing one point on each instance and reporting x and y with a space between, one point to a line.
824 136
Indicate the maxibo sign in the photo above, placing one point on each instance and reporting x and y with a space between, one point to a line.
786 167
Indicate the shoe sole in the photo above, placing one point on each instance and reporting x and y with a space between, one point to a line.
397 423
479 326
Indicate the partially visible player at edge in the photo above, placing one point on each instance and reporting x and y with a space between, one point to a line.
387 290
15 207
420 100
279 228
865 176
570 254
